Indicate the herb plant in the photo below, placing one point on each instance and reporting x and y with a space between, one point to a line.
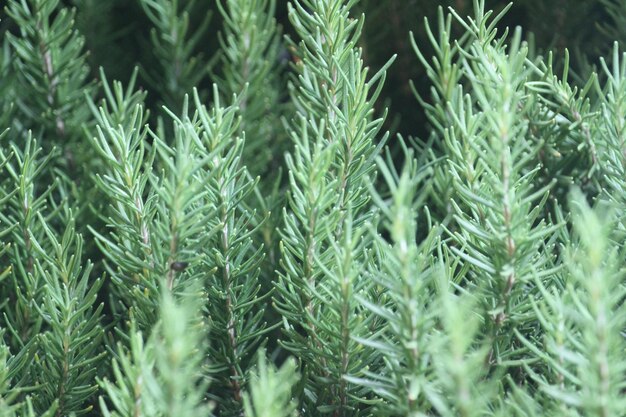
231 230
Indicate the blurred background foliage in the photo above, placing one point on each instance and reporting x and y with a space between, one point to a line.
117 35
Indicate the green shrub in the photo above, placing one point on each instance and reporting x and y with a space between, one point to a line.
229 230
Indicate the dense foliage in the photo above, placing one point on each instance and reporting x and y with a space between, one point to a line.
201 212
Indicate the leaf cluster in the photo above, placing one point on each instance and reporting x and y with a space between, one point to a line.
264 248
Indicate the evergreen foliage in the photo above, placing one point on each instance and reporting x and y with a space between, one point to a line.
49 63
229 230
179 68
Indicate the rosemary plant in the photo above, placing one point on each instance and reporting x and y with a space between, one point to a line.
50 65
262 247
174 42
251 48
325 246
